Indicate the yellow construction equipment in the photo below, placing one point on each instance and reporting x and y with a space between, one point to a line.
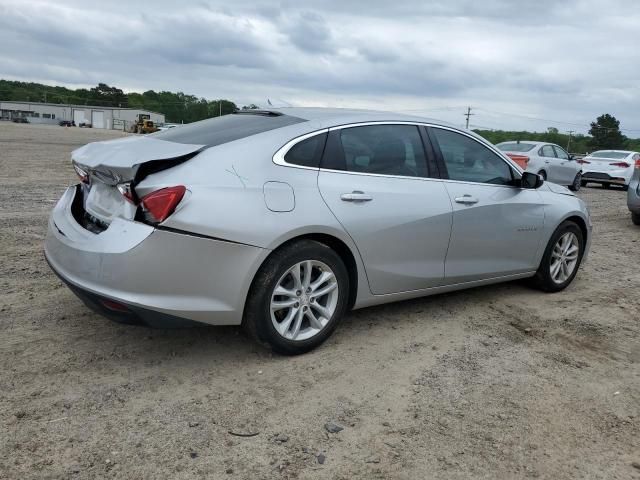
144 124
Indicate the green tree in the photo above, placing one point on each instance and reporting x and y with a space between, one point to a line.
605 133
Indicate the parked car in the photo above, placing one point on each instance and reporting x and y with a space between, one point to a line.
84 125
609 167
67 123
20 120
550 161
283 220
633 194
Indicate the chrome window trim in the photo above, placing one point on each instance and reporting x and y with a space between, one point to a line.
278 157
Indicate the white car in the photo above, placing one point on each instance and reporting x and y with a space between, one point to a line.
548 160
608 167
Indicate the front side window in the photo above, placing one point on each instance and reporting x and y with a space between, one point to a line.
378 149
468 160
560 153
547 151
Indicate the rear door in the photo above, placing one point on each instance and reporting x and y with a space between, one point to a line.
497 227
377 182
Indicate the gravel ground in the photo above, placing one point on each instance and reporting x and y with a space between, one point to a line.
494 382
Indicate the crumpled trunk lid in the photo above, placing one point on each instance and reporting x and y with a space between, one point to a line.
121 161
118 161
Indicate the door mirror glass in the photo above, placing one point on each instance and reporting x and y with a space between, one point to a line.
531 180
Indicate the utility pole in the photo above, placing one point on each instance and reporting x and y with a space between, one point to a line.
569 142
220 103
468 114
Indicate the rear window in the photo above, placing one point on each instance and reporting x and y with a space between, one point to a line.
515 147
609 154
219 130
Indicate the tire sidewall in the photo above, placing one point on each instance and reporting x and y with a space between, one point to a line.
258 308
544 273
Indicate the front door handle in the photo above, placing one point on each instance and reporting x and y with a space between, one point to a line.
466 199
356 196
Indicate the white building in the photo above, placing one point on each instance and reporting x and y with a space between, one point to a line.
115 118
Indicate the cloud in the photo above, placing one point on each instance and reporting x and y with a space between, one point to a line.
566 61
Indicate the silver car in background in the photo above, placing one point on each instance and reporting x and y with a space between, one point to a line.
609 167
633 194
550 161
283 220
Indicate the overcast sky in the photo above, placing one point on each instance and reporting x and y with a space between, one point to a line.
563 62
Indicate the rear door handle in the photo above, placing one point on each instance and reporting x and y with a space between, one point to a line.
356 196
466 199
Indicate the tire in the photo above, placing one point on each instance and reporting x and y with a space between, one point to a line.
289 330
583 183
577 183
625 187
543 279
606 186
635 218
543 174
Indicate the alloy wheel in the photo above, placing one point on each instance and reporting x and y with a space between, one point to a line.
304 300
564 257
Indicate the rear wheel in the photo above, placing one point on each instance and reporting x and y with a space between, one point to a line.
606 186
583 183
577 182
543 174
297 298
561 258
635 218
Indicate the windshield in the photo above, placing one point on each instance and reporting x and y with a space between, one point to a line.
515 147
609 154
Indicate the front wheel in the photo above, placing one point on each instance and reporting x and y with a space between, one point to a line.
297 297
561 258
577 182
635 218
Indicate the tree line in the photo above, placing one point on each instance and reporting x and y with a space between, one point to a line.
604 134
179 107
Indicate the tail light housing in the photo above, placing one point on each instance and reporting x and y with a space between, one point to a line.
637 164
521 160
157 206
620 164
83 175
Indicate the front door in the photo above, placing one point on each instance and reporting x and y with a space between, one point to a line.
376 182
497 227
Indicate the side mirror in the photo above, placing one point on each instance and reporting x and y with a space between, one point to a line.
572 157
531 180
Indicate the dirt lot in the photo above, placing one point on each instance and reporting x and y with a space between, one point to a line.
496 382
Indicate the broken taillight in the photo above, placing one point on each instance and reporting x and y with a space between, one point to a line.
158 205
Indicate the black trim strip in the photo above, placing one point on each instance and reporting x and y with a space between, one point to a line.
200 235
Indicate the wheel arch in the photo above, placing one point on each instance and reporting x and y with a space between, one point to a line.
578 220
337 245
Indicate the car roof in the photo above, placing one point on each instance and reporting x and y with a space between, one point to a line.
613 150
338 116
532 142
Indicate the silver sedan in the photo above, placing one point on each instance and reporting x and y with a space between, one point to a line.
284 220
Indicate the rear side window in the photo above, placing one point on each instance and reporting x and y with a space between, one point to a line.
219 130
468 160
308 152
377 149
